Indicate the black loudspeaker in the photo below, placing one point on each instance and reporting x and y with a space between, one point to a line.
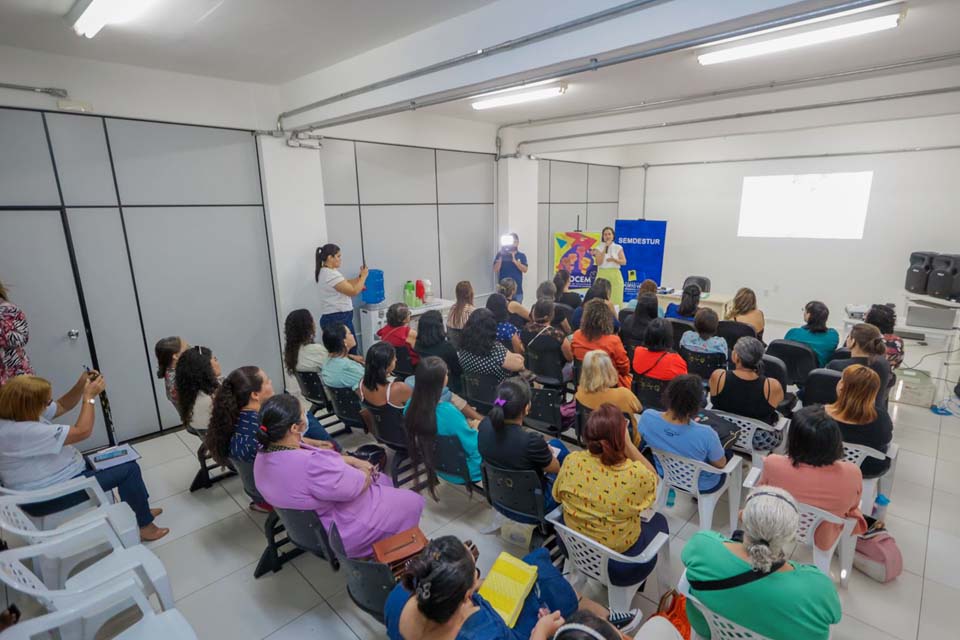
701 281
921 263
944 281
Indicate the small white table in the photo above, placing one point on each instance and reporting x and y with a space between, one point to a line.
716 301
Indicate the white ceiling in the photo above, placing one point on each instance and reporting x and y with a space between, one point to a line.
266 41
931 27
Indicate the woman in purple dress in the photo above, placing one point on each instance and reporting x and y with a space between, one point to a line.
343 490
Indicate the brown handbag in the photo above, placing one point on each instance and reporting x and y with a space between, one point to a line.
398 549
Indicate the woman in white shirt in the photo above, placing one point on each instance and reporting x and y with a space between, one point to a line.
336 291
35 453
609 258
198 377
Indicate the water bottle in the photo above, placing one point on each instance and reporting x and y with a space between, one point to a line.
880 507
671 498
409 294
427 292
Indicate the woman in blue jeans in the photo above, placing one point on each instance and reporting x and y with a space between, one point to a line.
336 291
35 453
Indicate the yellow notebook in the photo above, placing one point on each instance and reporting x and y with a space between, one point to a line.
507 586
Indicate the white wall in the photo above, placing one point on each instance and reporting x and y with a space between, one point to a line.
517 213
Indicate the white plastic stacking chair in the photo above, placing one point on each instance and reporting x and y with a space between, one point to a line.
96 498
590 559
55 571
655 628
856 454
683 474
720 627
136 563
85 614
749 428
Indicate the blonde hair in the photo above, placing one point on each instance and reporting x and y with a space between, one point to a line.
23 398
857 397
598 372
743 303
770 521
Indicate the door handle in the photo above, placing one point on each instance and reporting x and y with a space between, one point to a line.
73 334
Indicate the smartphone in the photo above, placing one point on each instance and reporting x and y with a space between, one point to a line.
109 455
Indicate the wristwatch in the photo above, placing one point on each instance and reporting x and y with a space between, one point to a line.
91 401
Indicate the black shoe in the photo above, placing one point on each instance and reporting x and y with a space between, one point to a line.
626 621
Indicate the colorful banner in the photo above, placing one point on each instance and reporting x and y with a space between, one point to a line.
571 251
642 242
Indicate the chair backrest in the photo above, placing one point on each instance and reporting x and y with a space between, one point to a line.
821 386
841 353
548 362
480 389
680 327
245 471
369 583
799 358
346 405
701 281
306 531
18 576
748 427
680 472
577 368
455 336
567 311
649 391
388 427
12 517
703 364
857 453
731 331
545 412
450 458
625 313
810 518
773 367
720 627
311 387
583 414
404 368
590 557
518 491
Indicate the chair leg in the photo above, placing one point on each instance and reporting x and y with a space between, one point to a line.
202 479
270 558
495 521
621 598
733 496
869 496
822 558
706 503
848 549
664 570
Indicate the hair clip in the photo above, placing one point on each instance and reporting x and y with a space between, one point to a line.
423 591
500 402
263 428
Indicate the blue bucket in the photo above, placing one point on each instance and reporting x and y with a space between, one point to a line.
373 289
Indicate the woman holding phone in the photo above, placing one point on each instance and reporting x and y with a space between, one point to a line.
336 291
609 258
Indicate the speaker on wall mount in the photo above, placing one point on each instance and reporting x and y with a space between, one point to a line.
944 281
921 263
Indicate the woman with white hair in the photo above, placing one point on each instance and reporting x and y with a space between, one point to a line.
748 580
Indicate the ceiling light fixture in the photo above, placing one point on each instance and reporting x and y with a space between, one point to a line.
806 38
88 17
505 99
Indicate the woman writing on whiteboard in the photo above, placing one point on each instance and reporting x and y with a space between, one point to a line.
336 306
609 258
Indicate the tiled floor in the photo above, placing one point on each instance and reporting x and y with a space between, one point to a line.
215 542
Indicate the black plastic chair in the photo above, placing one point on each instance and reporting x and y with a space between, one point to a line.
649 391
703 364
583 414
841 353
455 336
799 358
773 367
480 390
548 367
545 415
312 390
567 311
389 431
451 459
303 530
346 406
821 387
731 331
577 368
210 472
404 368
517 492
369 583
624 314
679 328
701 281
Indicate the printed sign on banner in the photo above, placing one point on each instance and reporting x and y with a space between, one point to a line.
642 242
571 251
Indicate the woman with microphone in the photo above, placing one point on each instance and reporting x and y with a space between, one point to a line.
609 258
336 291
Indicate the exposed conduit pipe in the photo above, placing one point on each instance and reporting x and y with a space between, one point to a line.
485 52
745 114
50 91
592 65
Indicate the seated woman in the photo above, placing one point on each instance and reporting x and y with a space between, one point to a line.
602 290
546 290
517 314
815 333
198 378
35 453
596 332
746 392
655 358
376 388
599 385
784 600
293 474
704 338
437 598
168 351
397 331
341 371
480 352
547 341
302 354
503 442
605 489
507 333
743 308
428 416
814 472
860 420
432 341
634 326
868 348
674 430
689 303
884 318
564 296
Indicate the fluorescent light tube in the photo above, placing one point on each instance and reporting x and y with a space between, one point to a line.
520 97
90 16
804 39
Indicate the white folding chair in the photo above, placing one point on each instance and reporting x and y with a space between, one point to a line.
136 563
812 517
856 454
748 429
86 614
55 571
590 559
96 498
720 627
655 628
683 474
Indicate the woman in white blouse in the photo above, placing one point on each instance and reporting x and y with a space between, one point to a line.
609 258
336 291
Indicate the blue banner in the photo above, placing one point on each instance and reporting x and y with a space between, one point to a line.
642 242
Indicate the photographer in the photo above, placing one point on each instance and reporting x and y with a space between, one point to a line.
510 263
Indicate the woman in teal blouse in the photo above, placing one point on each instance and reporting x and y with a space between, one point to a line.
815 333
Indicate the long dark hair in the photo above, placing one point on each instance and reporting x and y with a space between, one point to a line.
480 333
194 374
298 329
421 419
440 578
233 394
647 309
323 253
165 349
658 336
690 300
430 331
497 304
277 415
513 396
561 279
379 357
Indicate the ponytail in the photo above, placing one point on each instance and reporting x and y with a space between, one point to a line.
231 397
561 279
513 396
868 338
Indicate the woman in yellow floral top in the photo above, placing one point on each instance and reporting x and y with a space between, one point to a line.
604 490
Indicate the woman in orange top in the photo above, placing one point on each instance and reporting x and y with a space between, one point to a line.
654 358
596 332
813 472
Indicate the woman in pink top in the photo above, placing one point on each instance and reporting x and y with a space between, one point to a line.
343 490
813 472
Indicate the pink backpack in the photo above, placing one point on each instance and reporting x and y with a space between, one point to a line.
878 556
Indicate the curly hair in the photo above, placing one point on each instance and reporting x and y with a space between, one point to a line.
298 330
480 332
232 396
597 320
194 374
